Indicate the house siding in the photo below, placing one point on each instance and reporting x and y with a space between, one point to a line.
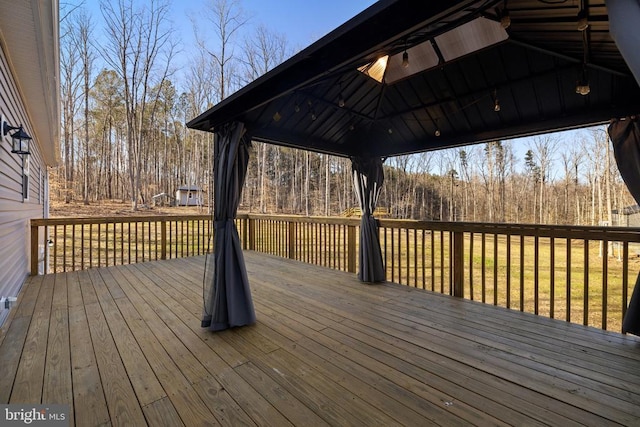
15 213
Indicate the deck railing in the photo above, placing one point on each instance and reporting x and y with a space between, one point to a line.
79 243
579 274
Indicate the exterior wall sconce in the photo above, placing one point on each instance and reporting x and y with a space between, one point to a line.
19 139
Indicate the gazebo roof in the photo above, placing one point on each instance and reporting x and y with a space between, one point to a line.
461 65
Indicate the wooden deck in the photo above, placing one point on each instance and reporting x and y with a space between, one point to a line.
123 346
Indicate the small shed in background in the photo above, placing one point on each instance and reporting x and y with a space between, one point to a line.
189 195
626 217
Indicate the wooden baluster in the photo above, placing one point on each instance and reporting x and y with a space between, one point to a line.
585 314
351 248
552 279
458 264
163 239
522 272
508 290
625 278
292 239
568 290
495 269
536 273
471 266
605 281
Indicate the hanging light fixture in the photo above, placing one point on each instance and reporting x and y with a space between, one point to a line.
19 139
582 85
312 112
341 101
496 101
405 59
583 20
340 97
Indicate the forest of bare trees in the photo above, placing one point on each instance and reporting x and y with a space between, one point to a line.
124 108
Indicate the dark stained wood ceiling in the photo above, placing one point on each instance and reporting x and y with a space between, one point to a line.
531 72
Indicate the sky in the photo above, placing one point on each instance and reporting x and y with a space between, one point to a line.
301 22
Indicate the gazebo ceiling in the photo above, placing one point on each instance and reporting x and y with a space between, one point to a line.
466 79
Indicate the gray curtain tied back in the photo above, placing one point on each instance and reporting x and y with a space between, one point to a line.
368 177
227 298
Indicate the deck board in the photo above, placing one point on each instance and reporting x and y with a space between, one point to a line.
123 345
89 403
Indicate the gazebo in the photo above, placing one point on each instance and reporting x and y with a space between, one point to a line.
404 77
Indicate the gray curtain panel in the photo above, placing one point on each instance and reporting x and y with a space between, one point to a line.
228 300
625 137
368 177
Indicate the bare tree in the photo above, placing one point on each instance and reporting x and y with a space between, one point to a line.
71 81
544 148
263 50
138 47
226 18
82 36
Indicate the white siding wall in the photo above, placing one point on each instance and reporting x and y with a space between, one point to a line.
15 212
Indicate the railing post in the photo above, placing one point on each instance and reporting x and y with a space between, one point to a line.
252 234
163 239
351 248
292 239
245 233
458 264
35 238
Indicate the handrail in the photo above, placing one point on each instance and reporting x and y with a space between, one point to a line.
529 267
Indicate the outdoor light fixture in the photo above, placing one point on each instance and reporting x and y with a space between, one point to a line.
340 101
496 102
582 85
437 132
582 88
405 59
312 112
583 22
19 139
277 117
296 108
